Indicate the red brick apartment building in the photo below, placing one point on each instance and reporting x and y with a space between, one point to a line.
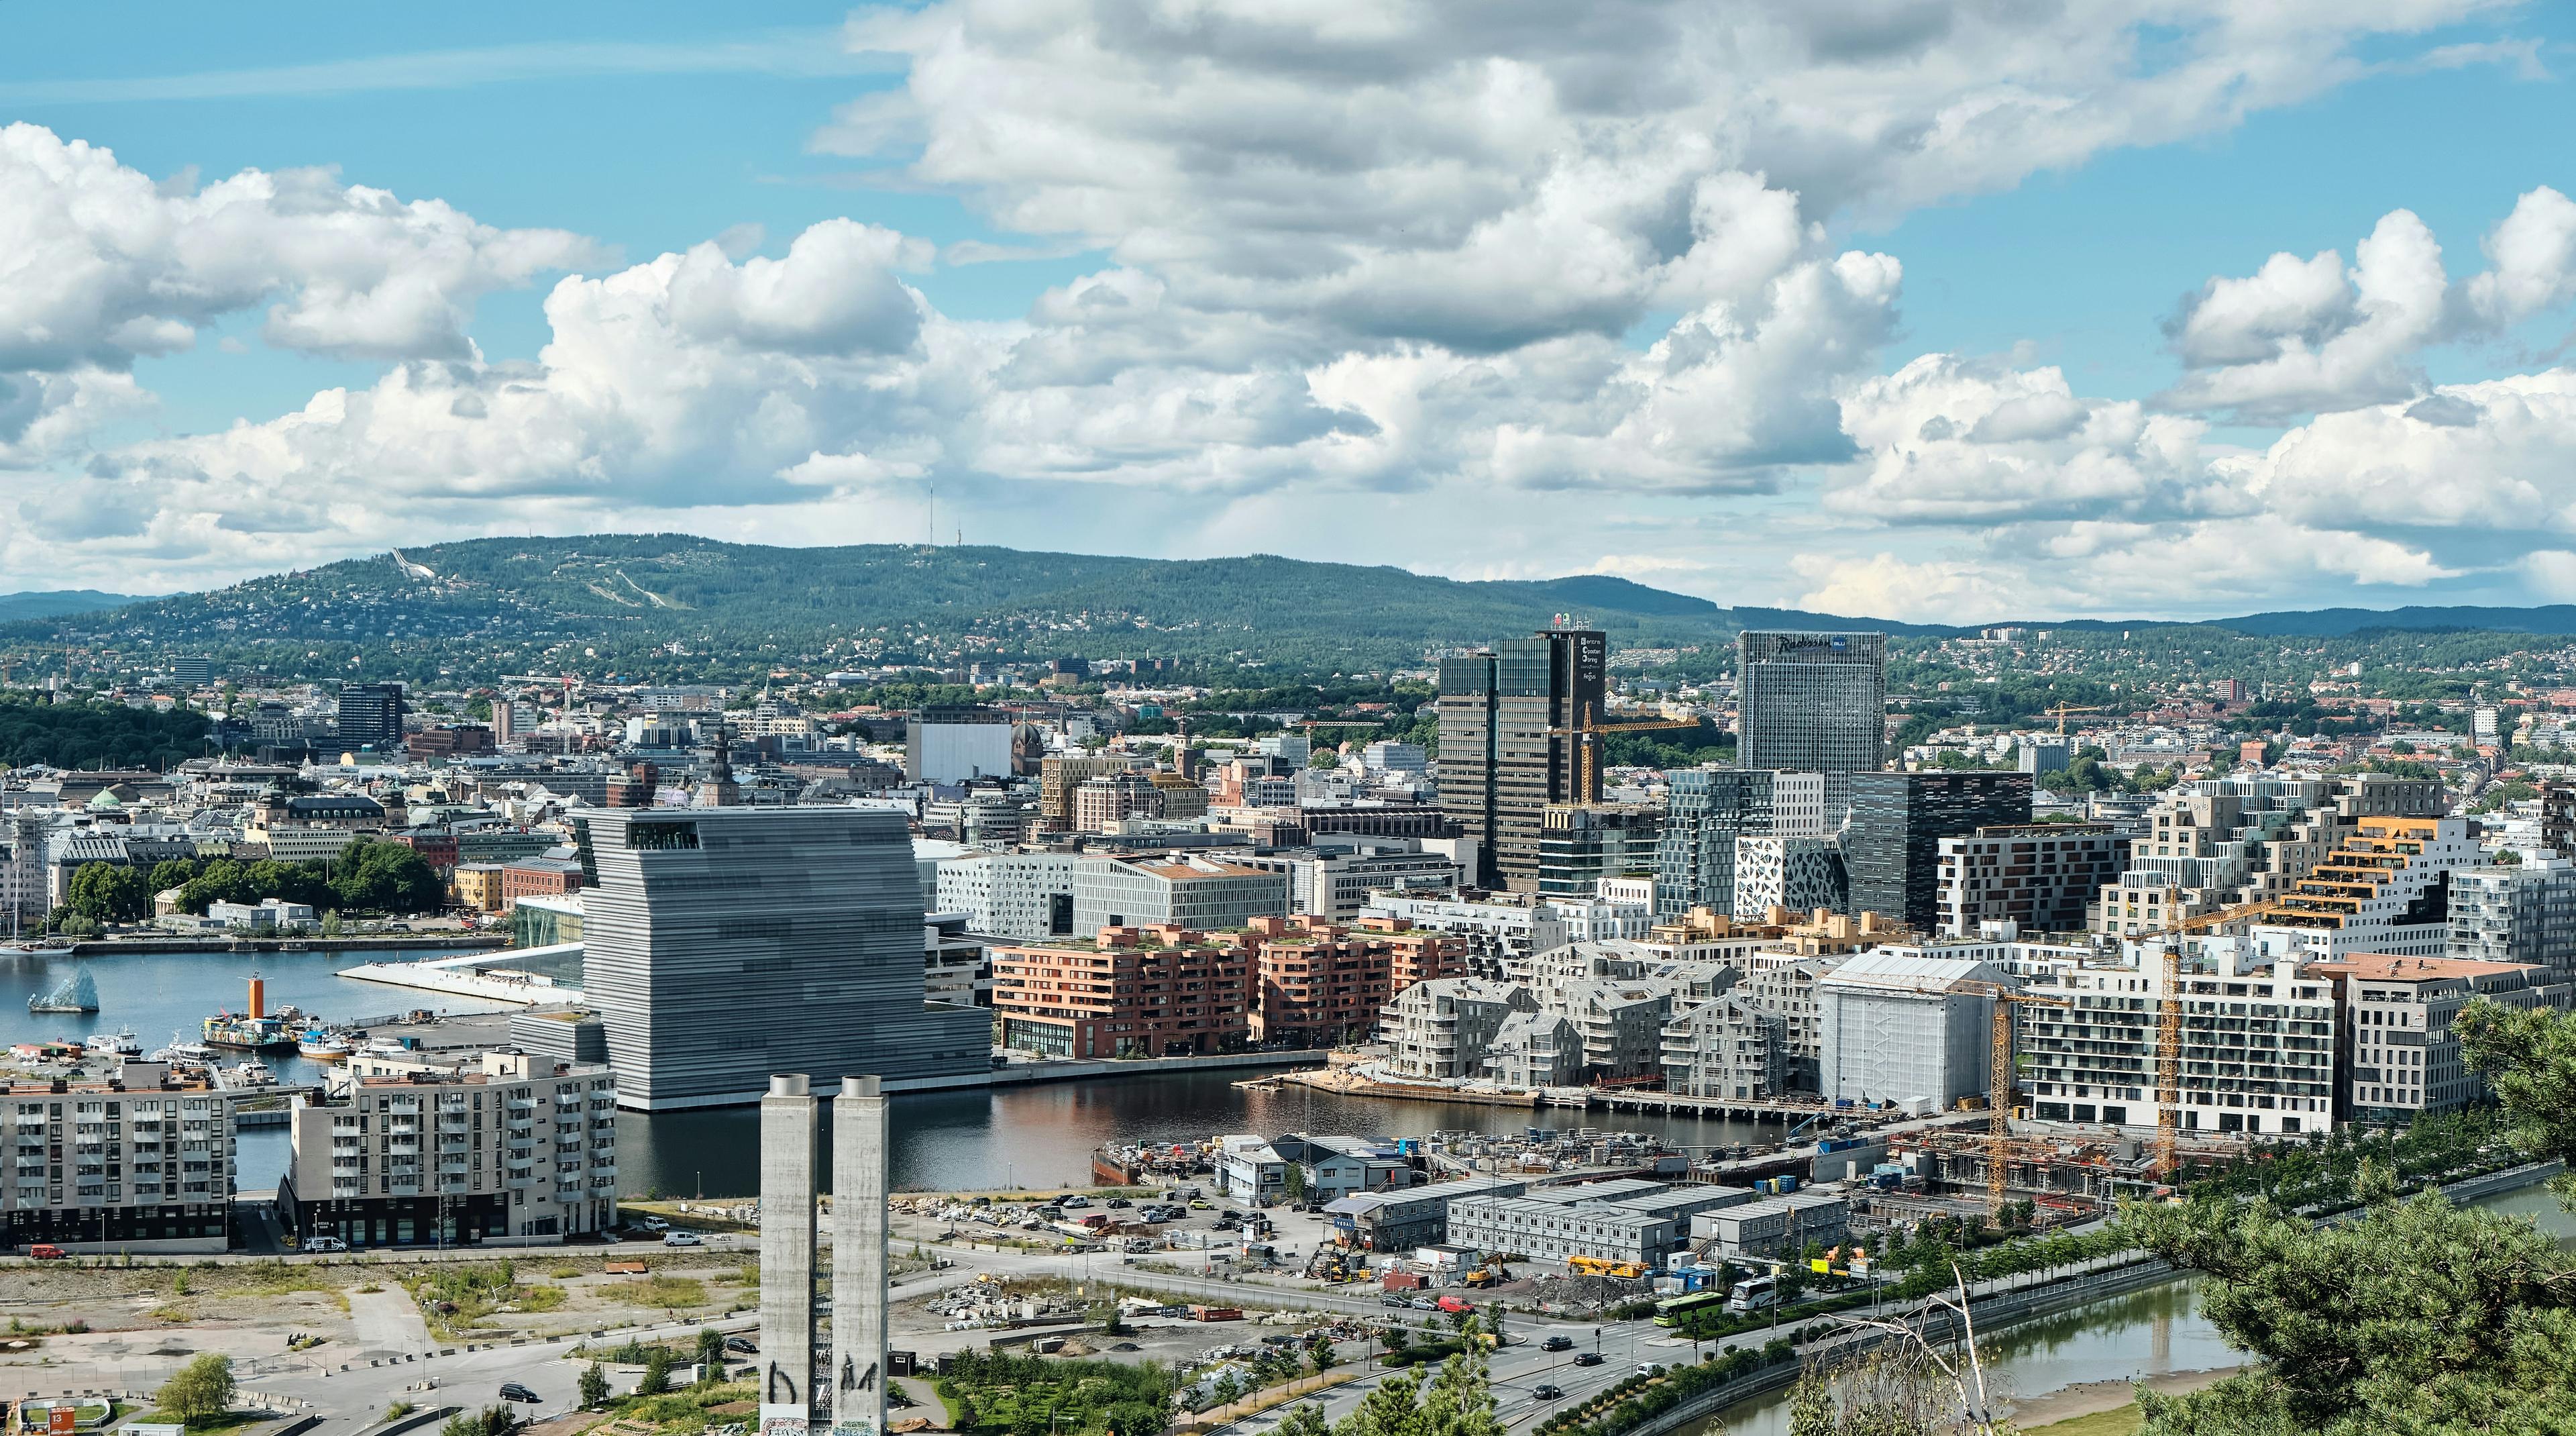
1132 992
1321 984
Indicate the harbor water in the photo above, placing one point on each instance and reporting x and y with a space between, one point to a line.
164 996
1035 1135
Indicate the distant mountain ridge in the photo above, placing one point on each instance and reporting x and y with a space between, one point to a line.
677 606
55 603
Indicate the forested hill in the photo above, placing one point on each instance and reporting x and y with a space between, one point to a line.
674 607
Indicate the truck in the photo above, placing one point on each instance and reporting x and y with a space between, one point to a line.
1216 1313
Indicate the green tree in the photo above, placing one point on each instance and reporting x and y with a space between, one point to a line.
656 1379
711 1356
199 1391
594 1385
1304 1419
2418 1316
1459 1401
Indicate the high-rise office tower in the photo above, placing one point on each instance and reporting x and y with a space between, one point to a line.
1814 702
1892 847
1707 810
789 1146
857 1379
371 714
722 944
1505 754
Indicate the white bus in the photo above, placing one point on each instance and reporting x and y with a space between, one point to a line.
1754 1293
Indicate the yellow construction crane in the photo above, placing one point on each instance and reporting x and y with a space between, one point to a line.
1588 731
2169 1017
2061 710
2000 1080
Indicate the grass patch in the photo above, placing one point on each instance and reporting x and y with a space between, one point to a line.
668 1292
684 1412
171 1314
2122 1422
565 1273
456 1300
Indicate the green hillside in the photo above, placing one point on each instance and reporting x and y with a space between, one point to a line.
676 608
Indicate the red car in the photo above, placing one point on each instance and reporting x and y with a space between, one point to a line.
47 1251
1455 1304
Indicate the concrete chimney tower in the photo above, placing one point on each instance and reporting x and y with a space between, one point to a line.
789 1129
857 1375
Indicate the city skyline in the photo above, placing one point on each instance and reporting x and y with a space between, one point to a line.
1920 316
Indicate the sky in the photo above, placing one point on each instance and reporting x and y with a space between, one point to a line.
1931 311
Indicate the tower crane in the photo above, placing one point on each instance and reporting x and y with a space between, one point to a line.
2169 1016
1588 730
2061 710
2000 1075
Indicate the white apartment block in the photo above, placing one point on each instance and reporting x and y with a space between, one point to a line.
510 1149
140 1164
2403 1058
2258 1052
1015 895
1442 1029
1727 1048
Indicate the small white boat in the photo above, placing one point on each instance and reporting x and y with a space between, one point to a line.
250 1073
322 1046
384 1047
122 1042
184 1052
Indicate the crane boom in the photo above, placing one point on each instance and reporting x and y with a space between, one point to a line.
2169 1018
1588 730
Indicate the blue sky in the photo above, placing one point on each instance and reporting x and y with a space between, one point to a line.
1264 316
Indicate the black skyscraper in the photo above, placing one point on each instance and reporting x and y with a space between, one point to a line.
1500 766
1893 846
371 714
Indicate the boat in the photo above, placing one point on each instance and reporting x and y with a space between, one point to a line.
122 1042
255 1030
76 993
250 1073
185 1053
322 1046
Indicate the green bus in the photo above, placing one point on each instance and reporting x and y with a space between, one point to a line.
1674 1310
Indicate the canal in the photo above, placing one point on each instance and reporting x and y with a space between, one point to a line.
2083 1359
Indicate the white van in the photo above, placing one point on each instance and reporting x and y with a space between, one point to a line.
1754 1293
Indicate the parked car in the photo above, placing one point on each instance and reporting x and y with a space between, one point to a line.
1423 1303
1587 1358
1392 1299
1118 1202
47 1251
1198 1204
683 1239
1558 1342
513 1391
743 1345
324 1244
1545 1392
654 1224
979 1201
